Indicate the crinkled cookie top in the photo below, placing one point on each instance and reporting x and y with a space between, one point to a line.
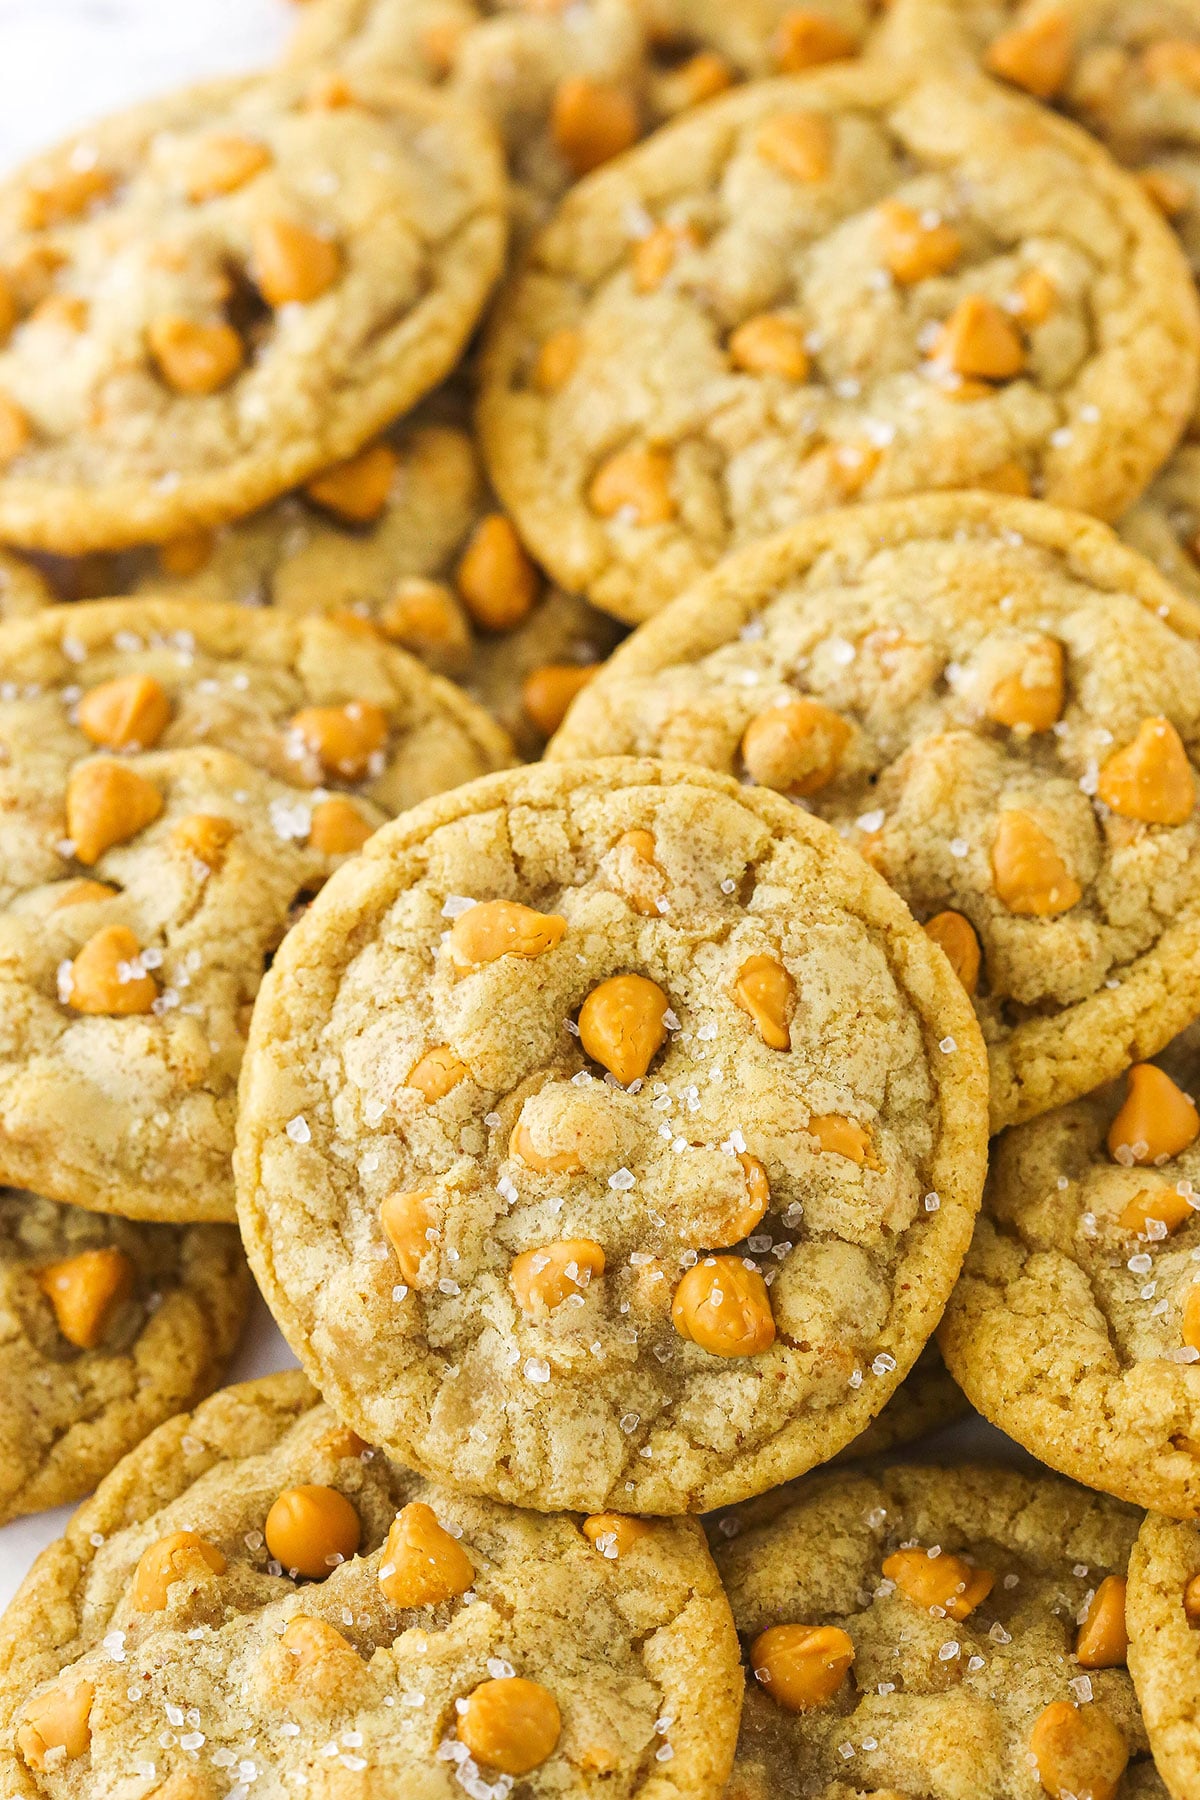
1164 1644
257 1603
610 1136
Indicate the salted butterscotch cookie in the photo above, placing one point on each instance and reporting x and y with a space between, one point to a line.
109 1329
698 48
939 1632
1076 1322
255 1597
209 298
1163 1614
623 1125
848 285
999 705
22 589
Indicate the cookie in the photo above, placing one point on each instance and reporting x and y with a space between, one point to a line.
1076 1320
649 1211
699 47
998 704
110 1328
949 1633
928 1400
216 294
22 589
844 286
256 1597
1163 1613
1165 523
564 87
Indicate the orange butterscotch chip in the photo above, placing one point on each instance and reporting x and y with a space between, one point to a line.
129 713
291 263
547 693
1035 297
1007 478
552 1162
798 144
223 163
795 748
700 77
496 577
556 360
1033 699
318 1646
842 1137
915 246
723 1306
591 122
55 1725
1150 779
844 468
1173 62
206 837
357 490
344 739
622 1024
805 39
86 1291
16 431
80 893
422 1564
1191 1596
192 357
107 978
1190 1327
511 1724
979 339
1156 1119
187 554
435 1073
68 311
1036 57
107 803
338 828
440 44
748 1212
771 344
495 928
407 1220
640 844
614 1534
1155 1212
1169 192
802 1666
764 989
180 1556
540 1280
636 483
939 1580
8 308
310 1529
64 195
426 618
955 936
654 255
1103 1642
1078 1751
1030 875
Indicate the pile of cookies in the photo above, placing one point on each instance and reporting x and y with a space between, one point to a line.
599 759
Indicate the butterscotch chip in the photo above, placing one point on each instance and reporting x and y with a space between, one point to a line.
844 1668
535 1648
222 209
921 674
626 1074
923 370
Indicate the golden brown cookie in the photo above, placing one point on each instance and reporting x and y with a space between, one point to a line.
22 589
1163 1613
255 1602
214 295
610 1138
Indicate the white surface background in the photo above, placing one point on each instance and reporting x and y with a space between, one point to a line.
62 64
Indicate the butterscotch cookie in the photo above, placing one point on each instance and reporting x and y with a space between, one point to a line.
936 1632
22 589
1163 1613
214 295
924 1403
845 286
999 705
698 48
1076 1321
610 1137
109 1328
254 1597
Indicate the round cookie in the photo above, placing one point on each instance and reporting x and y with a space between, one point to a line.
970 1640
655 1259
22 589
218 293
110 1328
709 341
1076 1322
1163 1612
390 1671
972 689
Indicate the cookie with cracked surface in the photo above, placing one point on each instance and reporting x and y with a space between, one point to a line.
842 286
111 1328
256 1562
1076 1321
995 701
936 1632
698 48
1163 1613
217 294
649 1086
22 589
